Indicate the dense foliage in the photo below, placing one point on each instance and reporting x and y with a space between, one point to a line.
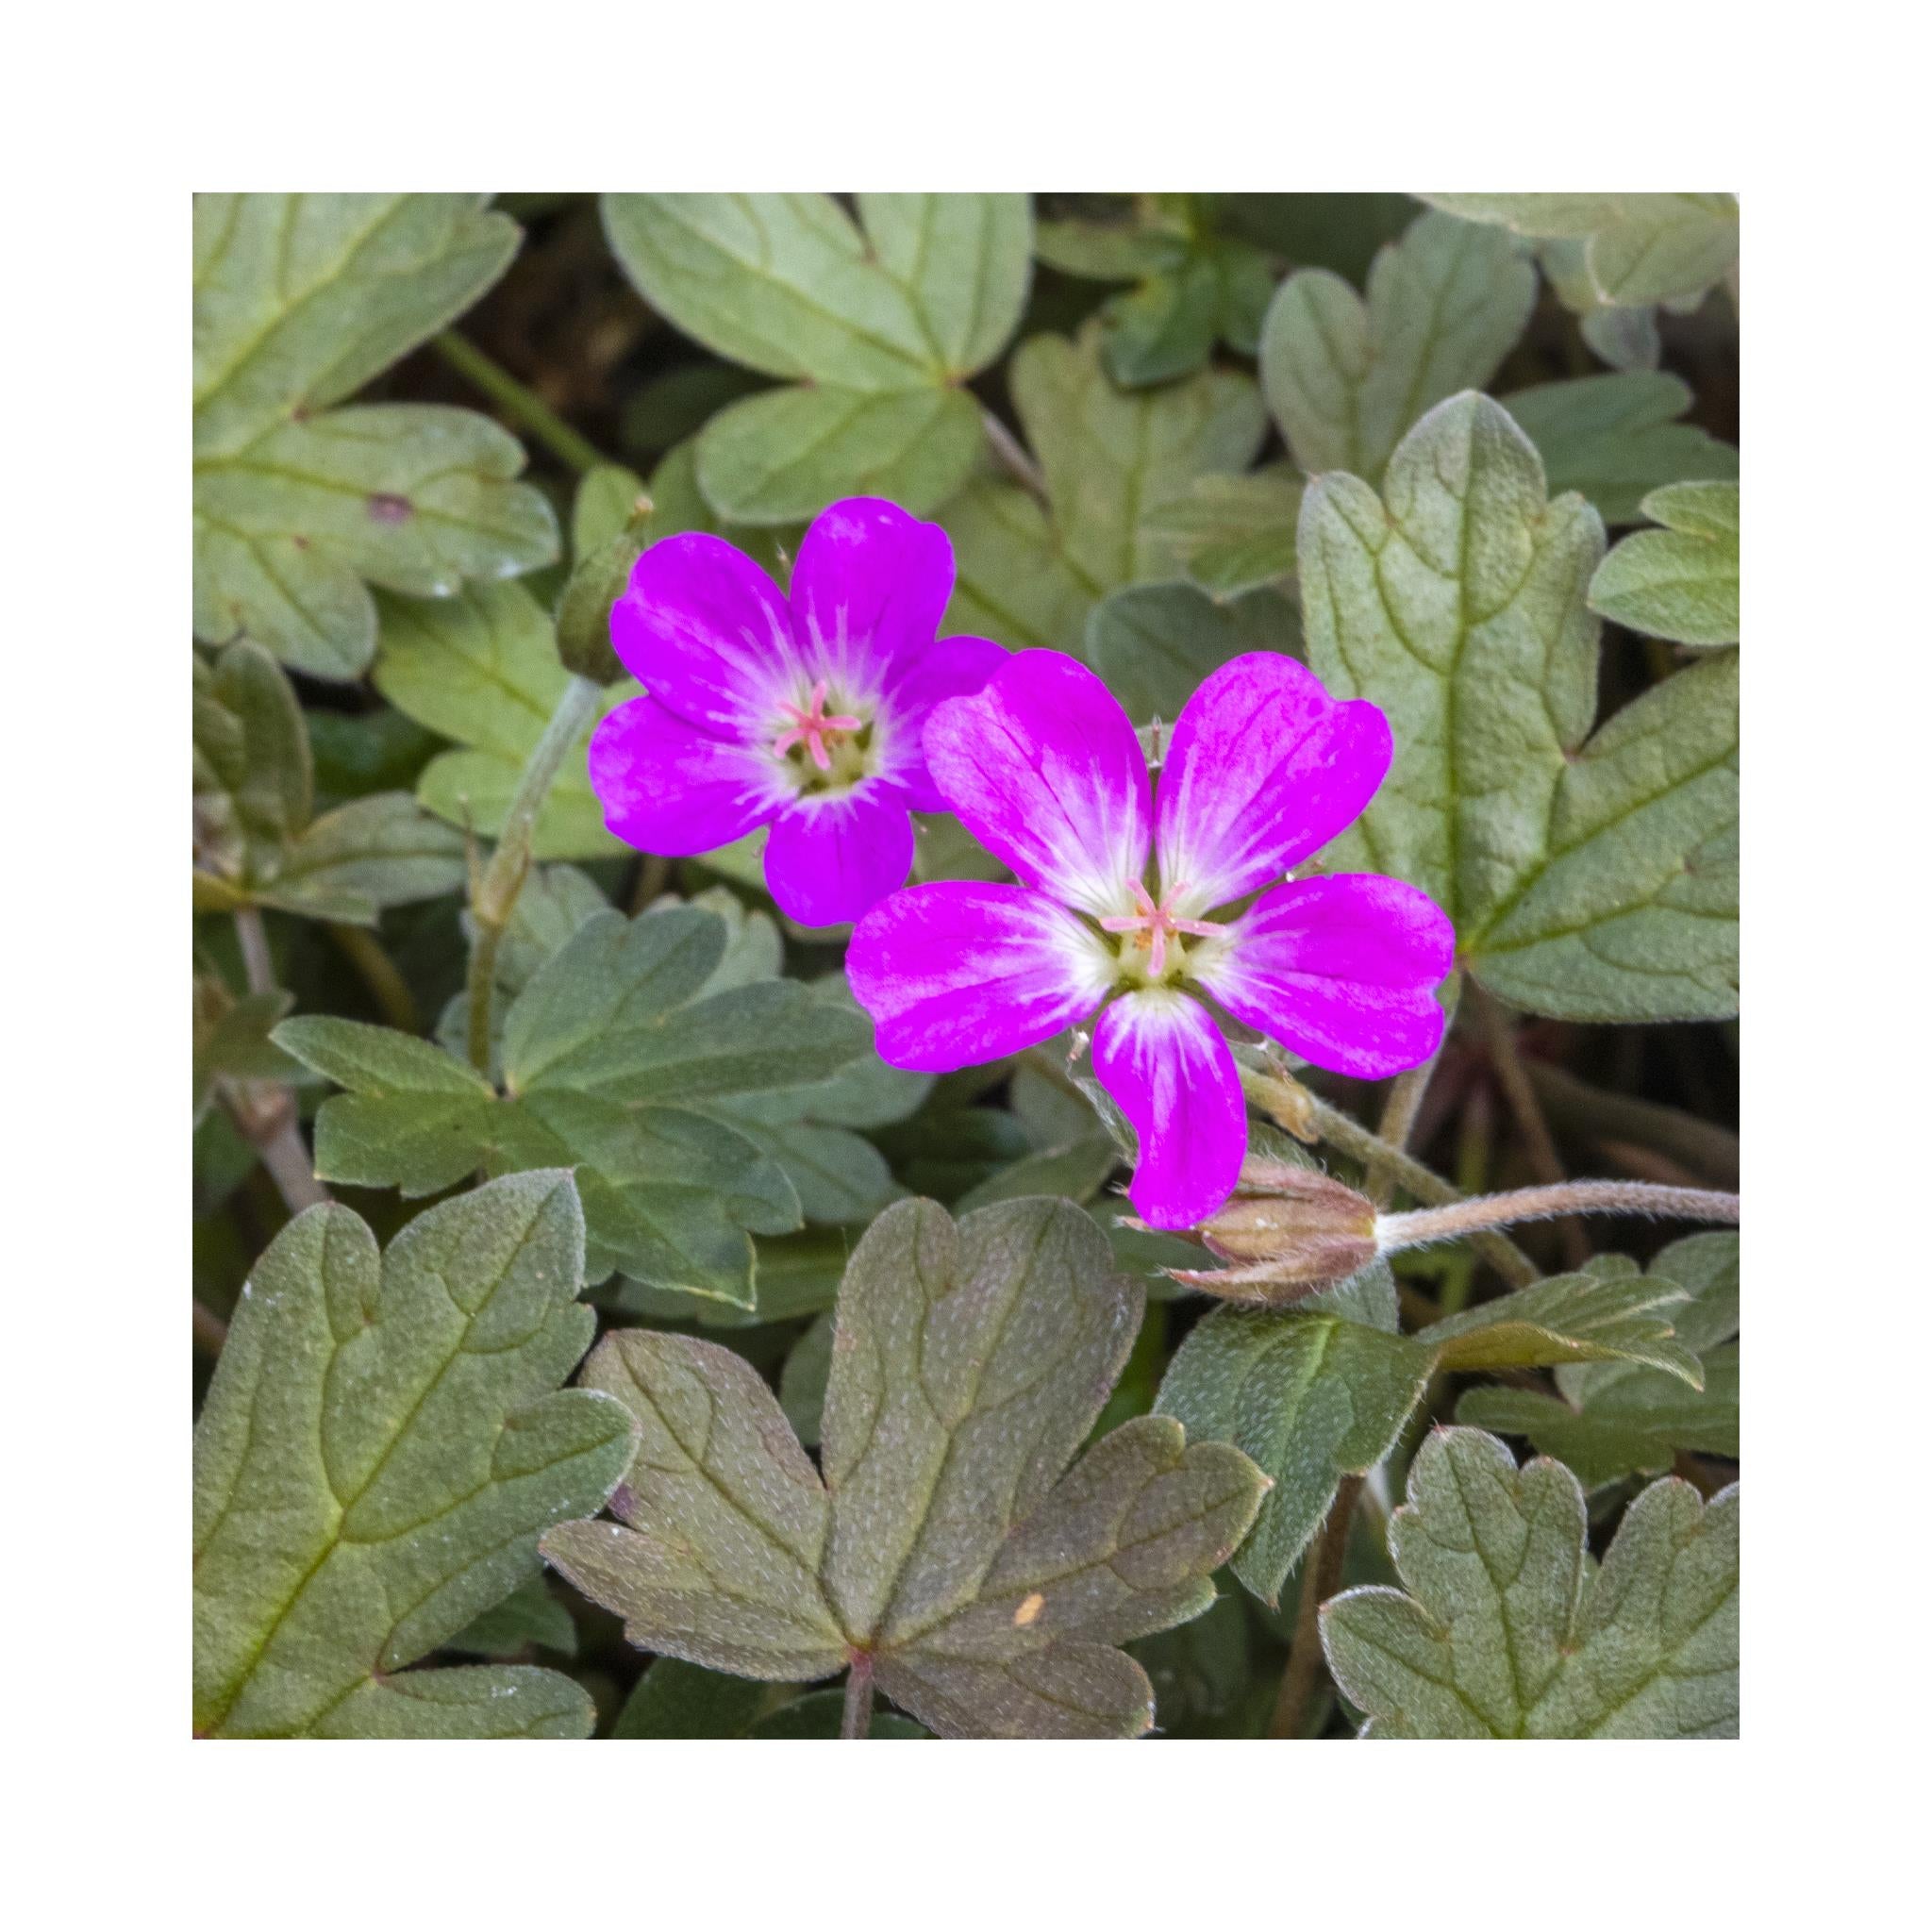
595 1334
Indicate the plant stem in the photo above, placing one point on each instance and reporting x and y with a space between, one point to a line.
1459 1218
257 963
1321 1578
1347 1133
523 406
1405 1102
857 1719
265 1114
378 972
1499 1034
1013 456
494 896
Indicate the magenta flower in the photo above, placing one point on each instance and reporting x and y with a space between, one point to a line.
804 715
1262 769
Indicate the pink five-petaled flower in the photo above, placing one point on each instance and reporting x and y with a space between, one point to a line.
1262 769
803 714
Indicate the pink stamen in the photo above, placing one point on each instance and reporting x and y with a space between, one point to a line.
1156 923
812 724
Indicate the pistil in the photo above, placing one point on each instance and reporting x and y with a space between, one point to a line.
1153 923
812 728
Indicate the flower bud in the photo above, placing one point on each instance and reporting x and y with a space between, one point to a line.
1291 1231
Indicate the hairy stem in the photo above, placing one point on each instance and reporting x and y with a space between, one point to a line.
494 896
523 406
1499 1035
857 1719
1012 457
379 973
1461 1218
264 1112
1345 1131
1320 1579
1405 1102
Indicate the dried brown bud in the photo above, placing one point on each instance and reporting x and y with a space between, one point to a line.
1290 1231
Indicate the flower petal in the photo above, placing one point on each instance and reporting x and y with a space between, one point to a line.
1045 769
667 787
867 592
955 975
954 667
709 635
1161 1056
1341 971
1263 769
829 860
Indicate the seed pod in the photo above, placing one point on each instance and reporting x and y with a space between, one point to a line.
1291 1231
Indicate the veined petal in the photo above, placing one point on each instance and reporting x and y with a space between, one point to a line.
1161 1056
831 858
1341 969
954 667
707 634
867 592
1263 769
1045 769
956 975
667 787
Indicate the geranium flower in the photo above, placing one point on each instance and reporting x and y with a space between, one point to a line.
801 714
1262 769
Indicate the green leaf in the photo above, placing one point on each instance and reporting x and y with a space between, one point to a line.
1310 1397
384 1439
1015 581
674 1699
1611 1315
231 1037
819 1715
529 1616
253 840
1340 232
623 1024
299 300
1154 642
1232 534
1346 377
989 1589
1616 438
1680 582
384 850
1638 248
881 325
1506 1629
1110 456
481 668
1588 877
1618 1418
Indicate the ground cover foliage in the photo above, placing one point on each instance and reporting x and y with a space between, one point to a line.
594 1337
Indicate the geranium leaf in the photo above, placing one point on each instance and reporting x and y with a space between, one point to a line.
1616 438
1110 456
1507 1631
1590 878
384 850
883 323
1680 582
1310 1397
1015 581
481 668
231 1037
383 1440
613 1053
1638 248
1346 375
948 1545
529 1616
1618 1316
780 458
1232 534
1615 1419
299 299
1154 642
